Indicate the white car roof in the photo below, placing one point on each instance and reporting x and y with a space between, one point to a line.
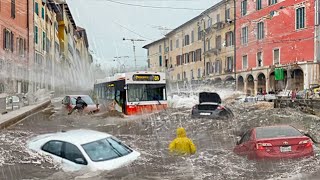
78 137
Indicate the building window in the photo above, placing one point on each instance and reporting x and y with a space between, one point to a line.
42 13
209 22
208 45
186 40
271 2
260 33
8 40
177 43
178 59
245 62
186 58
192 77
227 15
184 75
244 7
259 59
36 34
13 9
199 73
21 46
218 18
259 4
43 40
229 38
276 56
218 42
300 18
178 77
217 67
229 64
198 55
171 45
36 8
148 63
1 88
160 61
244 35
160 49
199 33
192 36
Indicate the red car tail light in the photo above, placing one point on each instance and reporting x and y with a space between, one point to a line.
220 107
262 146
306 143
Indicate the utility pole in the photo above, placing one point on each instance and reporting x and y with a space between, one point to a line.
134 49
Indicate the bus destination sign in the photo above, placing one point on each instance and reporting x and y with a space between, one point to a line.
146 77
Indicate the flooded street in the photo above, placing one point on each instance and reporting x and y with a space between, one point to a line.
151 135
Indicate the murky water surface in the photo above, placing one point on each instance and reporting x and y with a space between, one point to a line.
151 135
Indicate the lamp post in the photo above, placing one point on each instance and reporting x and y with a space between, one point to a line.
134 49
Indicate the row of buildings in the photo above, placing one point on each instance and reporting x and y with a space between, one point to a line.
262 45
41 47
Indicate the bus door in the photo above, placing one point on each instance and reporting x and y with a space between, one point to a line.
120 96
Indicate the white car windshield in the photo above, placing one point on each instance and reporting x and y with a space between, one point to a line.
105 149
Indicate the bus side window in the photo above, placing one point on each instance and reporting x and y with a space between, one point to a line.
118 96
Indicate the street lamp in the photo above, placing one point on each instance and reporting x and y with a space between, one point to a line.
134 49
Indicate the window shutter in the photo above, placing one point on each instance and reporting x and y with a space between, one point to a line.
4 38
12 41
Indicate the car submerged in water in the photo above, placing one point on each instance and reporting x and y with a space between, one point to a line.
274 142
69 103
84 150
210 107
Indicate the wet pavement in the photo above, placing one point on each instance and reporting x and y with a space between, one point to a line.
151 136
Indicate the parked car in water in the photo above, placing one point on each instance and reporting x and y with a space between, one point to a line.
84 150
210 107
69 103
274 142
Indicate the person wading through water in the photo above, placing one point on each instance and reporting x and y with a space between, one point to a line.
80 105
182 145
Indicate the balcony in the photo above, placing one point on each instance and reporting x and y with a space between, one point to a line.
218 25
214 51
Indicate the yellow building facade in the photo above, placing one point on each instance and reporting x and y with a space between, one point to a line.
203 47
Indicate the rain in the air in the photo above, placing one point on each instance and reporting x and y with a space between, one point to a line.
160 89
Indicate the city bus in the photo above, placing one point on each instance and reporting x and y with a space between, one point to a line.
133 93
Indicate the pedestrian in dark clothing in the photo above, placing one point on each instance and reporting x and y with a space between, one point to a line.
80 105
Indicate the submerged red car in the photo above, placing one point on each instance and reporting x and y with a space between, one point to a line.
274 142
69 103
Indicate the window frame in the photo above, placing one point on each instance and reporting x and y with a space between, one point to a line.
273 50
260 30
258 5
244 68
244 7
261 53
304 18
244 36
272 2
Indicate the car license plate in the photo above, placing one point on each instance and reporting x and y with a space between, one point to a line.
285 149
205 114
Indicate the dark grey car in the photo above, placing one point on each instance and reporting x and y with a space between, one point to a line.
210 107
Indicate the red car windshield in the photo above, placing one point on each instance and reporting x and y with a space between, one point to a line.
276 132
86 99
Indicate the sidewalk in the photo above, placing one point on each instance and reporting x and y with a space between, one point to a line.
13 117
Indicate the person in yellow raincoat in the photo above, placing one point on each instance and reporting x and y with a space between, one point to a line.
182 144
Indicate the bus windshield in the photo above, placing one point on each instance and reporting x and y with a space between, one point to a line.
146 92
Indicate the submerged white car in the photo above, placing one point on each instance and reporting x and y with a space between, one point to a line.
84 149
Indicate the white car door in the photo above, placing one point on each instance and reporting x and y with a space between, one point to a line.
73 159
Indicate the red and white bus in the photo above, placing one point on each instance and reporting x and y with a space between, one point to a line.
134 92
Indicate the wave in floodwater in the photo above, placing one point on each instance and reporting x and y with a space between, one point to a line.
151 135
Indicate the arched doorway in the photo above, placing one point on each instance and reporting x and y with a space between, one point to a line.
230 82
277 85
250 85
261 83
240 83
297 78
217 80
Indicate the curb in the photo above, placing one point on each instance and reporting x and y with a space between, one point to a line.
14 120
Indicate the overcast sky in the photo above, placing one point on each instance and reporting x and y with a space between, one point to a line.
108 22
